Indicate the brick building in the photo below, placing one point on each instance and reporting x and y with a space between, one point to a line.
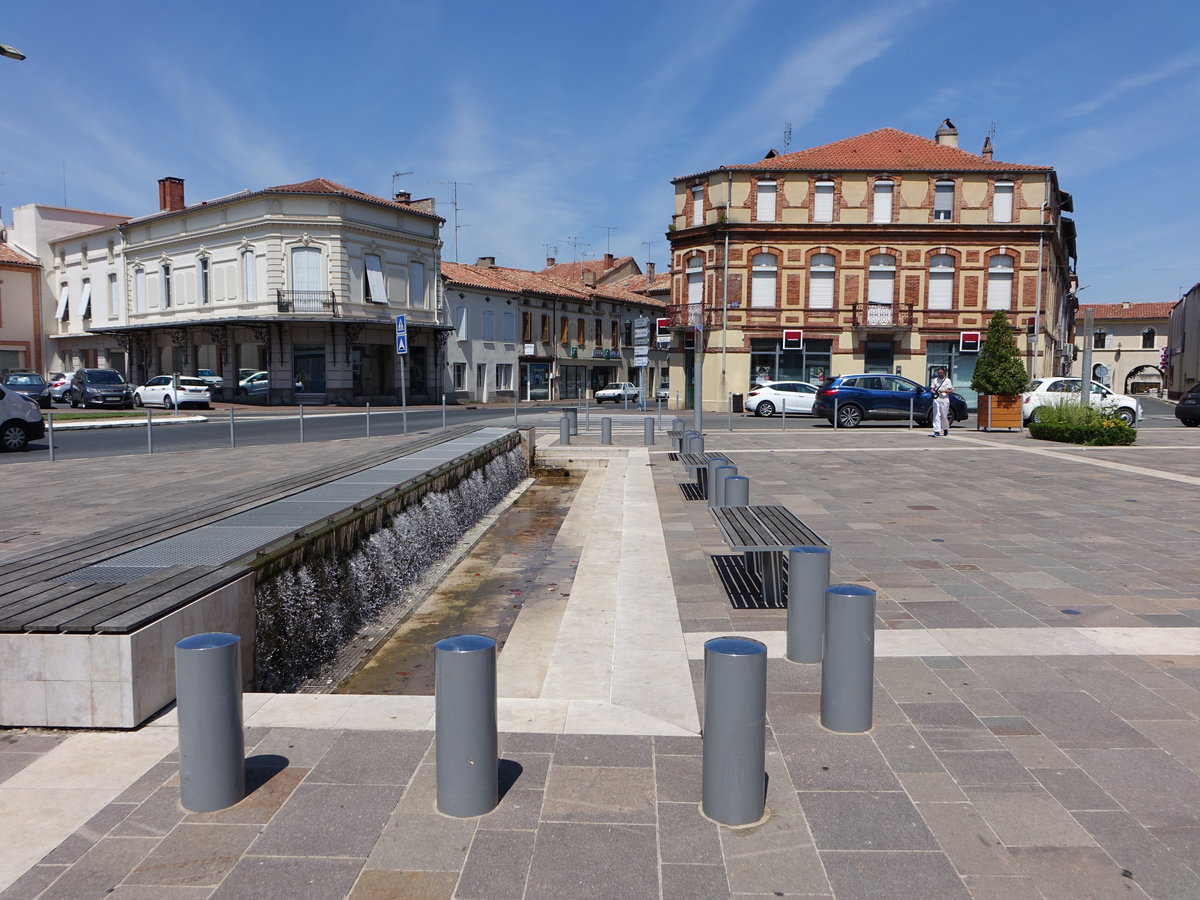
885 252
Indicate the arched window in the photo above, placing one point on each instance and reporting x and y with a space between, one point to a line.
821 274
882 207
1147 338
763 278
882 284
1000 282
695 279
941 281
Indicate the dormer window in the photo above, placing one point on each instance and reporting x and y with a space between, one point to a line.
1002 201
823 201
882 206
943 201
765 201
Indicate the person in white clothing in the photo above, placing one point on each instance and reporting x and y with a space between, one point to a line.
939 416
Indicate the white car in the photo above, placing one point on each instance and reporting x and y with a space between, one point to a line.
793 397
211 378
161 391
1043 391
616 391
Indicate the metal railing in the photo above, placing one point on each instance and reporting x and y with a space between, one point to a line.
883 315
306 302
689 315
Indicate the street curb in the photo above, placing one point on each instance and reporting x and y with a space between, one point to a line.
127 423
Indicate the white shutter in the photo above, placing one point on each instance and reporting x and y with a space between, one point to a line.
941 290
63 298
114 300
766 201
697 206
1002 201
377 289
823 202
249 290
416 284
883 201
85 301
881 287
460 322
999 291
139 278
695 284
306 269
820 290
488 330
762 289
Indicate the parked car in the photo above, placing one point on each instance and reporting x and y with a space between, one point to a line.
254 383
20 420
60 385
243 374
1043 391
31 384
861 397
100 387
663 393
793 397
211 378
616 391
161 391
1187 410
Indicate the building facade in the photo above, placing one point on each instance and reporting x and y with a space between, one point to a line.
303 281
20 299
885 252
1128 340
1183 351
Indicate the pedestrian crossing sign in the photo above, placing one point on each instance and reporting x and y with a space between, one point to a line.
402 343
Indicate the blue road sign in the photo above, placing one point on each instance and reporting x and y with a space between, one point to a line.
402 343
401 324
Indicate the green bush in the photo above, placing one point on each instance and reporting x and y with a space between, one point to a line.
1070 423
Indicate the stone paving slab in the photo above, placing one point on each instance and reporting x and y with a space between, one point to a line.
1043 758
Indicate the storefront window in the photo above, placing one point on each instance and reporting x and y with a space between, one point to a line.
308 368
535 381
959 366
770 362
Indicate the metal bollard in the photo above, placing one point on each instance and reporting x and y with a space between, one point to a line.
149 430
606 430
717 485
848 670
368 420
564 431
572 416
735 718
467 748
208 699
808 578
50 433
232 439
737 491
693 442
301 408
708 478
648 431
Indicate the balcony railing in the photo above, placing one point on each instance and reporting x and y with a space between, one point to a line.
894 316
307 302
689 315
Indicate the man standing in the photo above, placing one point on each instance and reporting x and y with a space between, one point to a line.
939 415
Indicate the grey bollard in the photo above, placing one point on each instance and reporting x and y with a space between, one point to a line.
572 416
737 491
848 670
735 720
467 748
606 430
717 485
693 442
212 743
708 478
808 578
648 431
564 430
679 426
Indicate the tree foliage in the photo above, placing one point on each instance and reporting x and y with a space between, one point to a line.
998 368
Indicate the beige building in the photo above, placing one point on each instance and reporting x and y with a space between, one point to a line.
885 252
1127 344
20 285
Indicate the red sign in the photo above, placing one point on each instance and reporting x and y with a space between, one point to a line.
968 342
793 340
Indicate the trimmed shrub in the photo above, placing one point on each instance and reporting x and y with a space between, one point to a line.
1069 423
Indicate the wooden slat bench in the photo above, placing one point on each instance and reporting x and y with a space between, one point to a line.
764 534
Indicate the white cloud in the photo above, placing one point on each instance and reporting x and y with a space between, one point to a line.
1165 70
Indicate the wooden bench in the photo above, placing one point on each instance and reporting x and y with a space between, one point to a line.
764 534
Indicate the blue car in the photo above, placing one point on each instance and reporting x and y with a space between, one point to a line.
861 397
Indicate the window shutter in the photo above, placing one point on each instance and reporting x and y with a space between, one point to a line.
943 200
460 322
416 284
941 290
488 324
999 291
823 202
697 206
376 289
765 211
695 284
881 287
883 201
1002 201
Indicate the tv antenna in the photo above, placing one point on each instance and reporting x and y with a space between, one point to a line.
454 205
396 175
551 250
608 238
575 241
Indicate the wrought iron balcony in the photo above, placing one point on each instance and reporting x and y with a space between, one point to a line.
689 315
307 302
883 316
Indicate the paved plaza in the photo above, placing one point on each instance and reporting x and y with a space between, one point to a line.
1036 710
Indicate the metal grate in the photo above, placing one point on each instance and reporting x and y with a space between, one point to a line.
109 574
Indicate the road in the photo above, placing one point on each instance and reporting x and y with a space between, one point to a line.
281 425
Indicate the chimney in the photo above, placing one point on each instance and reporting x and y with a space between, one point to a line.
549 262
608 260
947 134
485 262
649 273
170 194
987 148
589 278
403 196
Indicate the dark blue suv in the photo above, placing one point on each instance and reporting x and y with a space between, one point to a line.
859 397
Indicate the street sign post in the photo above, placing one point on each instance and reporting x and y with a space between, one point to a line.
402 352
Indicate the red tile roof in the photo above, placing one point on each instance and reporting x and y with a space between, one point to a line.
1101 311
573 271
885 150
500 278
12 257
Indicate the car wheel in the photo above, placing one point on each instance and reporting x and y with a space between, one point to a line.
137 401
14 436
1033 418
167 402
765 408
1126 415
1191 423
849 416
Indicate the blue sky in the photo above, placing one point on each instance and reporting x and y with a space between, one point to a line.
568 121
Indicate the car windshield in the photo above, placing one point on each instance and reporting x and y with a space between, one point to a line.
612 386
24 379
104 376
192 382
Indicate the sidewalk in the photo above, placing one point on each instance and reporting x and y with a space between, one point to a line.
1037 705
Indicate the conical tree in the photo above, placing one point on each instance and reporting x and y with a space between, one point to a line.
998 368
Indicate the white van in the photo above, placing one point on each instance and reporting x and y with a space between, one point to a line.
20 420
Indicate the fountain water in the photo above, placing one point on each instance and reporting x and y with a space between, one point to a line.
307 613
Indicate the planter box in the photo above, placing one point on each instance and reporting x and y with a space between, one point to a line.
998 411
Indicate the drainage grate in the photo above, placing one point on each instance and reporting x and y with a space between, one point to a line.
285 513
105 574
211 545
